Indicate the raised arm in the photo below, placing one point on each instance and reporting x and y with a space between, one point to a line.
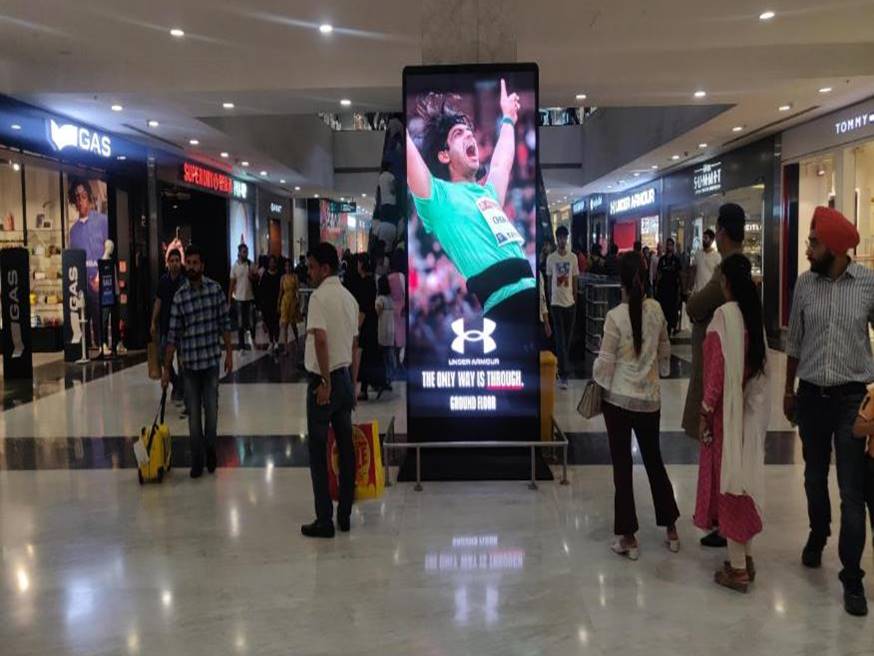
418 174
505 149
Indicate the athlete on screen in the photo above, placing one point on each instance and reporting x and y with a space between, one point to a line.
468 218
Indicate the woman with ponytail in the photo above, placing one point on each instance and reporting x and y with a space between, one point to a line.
634 349
734 420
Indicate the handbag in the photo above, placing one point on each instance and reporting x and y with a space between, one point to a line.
590 403
864 425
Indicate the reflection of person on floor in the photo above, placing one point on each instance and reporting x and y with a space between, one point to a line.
734 420
331 350
829 350
467 218
634 350
199 322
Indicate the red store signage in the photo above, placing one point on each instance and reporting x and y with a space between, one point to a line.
201 177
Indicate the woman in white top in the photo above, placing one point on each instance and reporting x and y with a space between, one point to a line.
635 347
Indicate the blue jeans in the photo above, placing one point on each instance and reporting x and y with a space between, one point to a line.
338 415
826 416
201 395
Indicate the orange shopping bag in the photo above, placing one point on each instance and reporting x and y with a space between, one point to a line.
369 474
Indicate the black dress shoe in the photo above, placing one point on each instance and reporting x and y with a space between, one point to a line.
854 599
714 539
318 530
812 554
211 460
344 524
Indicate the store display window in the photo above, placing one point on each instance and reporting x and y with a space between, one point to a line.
45 242
11 205
863 157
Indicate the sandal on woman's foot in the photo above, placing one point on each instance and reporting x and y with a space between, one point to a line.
735 579
751 568
629 550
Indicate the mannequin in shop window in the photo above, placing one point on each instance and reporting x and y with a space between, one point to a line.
107 268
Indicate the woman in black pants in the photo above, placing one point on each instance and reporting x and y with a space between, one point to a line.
634 349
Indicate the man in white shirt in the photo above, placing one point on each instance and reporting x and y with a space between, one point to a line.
563 270
331 352
242 294
705 262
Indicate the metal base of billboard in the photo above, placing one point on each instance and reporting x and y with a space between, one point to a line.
559 441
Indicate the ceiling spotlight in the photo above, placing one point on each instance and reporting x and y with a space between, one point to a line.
345 102
296 188
702 145
609 186
654 167
581 96
738 128
326 28
177 33
194 142
825 90
282 181
315 195
121 158
116 108
228 105
263 174
16 166
784 108
15 126
622 182
636 174
224 154
766 15
700 93
244 163
675 157
364 195
152 123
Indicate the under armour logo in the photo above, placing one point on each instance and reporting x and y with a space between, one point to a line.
484 336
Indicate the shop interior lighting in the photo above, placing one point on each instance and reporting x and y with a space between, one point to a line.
825 90
153 123
177 33
228 105
15 126
326 28
766 15
116 108
700 93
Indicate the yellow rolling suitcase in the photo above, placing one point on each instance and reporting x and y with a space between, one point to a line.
153 448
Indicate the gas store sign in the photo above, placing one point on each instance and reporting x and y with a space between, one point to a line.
69 135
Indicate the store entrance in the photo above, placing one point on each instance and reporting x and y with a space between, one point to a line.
198 218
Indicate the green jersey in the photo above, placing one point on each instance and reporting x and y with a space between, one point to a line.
469 222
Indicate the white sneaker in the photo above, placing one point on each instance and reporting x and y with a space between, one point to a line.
620 548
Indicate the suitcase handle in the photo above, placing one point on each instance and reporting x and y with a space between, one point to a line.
160 414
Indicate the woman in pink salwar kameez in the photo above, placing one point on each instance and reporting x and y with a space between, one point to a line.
734 421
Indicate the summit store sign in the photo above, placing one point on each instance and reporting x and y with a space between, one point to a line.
642 198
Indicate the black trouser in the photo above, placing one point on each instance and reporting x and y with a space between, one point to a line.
338 414
620 422
563 329
826 416
271 321
244 321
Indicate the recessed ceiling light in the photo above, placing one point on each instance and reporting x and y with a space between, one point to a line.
784 108
654 167
153 123
675 157
263 174
177 33
364 195
700 93
244 163
636 174
825 90
16 166
345 102
622 182
737 128
282 181
326 28
296 188
609 186
581 96
315 195
224 154
228 105
702 145
194 142
121 158
766 15
15 126
116 108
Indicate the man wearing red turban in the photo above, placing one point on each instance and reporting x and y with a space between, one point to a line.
829 351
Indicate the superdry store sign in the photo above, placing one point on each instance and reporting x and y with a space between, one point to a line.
210 180
633 201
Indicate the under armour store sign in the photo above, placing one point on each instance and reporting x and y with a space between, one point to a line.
636 200
75 288
472 351
17 347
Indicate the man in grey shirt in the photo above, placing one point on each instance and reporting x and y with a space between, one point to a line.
829 350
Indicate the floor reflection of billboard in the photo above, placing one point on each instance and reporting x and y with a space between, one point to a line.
471 171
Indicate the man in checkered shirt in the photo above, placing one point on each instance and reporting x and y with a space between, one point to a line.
199 322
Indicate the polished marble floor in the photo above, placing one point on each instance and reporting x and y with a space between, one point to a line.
90 563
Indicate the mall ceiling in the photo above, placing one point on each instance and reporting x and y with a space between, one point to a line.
269 57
